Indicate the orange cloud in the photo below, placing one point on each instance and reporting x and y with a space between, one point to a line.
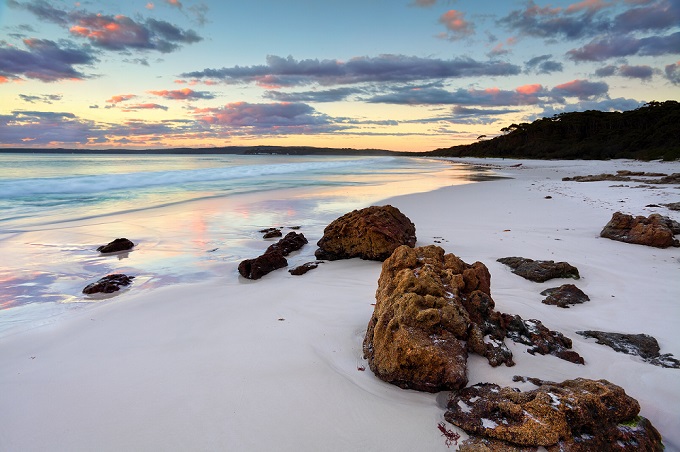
150 5
590 5
120 98
529 89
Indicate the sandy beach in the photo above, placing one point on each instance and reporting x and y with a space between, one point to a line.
276 364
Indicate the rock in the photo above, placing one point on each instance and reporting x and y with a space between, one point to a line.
273 258
543 341
672 206
261 265
655 230
642 345
575 415
539 271
108 284
431 310
372 233
304 268
564 295
416 336
117 245
271 233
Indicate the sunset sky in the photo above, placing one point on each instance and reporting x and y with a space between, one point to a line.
398 74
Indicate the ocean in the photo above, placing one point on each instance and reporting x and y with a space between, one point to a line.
192 217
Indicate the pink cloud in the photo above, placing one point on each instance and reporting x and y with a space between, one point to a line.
183 94
583 89
175 3
529 89
589 5
150 5
456 24
121 98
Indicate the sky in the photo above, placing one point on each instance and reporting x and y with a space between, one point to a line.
406 75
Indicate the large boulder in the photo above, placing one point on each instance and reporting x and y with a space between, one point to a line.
575 415
653 230
564 295
539 271
431 310
372 233
416 336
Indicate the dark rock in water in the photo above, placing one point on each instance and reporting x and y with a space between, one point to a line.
273 258
117 245
654 230
576 415
272 233
108 284
673 206
543 341
372 233
642 345
539 271
564 295
293 241
261 265
304 268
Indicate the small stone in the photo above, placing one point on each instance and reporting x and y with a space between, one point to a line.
539 271
121 244
108 284
564 295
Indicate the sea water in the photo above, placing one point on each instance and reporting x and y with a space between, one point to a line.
192 217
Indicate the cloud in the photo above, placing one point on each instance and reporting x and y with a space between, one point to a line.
183 94
175 3
331 95
44 98
280 72
121 98
258 116
424 3
673 73
641 72
457 26
588 5
523 95
110 32
43 128
136 107
661 15
618 104
467 115
543 65
548 22
44 60
622 46
582 89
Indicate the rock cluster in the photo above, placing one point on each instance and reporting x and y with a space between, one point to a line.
108 284
431 310
273 258
564 295
642 345
372 233
629 176
539 271
117 245
654 230
575 415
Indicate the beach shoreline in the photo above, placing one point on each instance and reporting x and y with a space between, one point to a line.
277 364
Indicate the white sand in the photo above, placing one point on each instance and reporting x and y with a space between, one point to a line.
274 364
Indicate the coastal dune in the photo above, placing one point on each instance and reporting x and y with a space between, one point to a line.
276 364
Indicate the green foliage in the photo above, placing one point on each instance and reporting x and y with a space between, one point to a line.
647 133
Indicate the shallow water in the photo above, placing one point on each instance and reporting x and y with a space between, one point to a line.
191 217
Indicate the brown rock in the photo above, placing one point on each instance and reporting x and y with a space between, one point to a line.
108 284
564 295
372 233
539 271
117 245
543 341
273 258
654 230
575 415
304 268
415 338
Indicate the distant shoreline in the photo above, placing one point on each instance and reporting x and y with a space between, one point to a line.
228 150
